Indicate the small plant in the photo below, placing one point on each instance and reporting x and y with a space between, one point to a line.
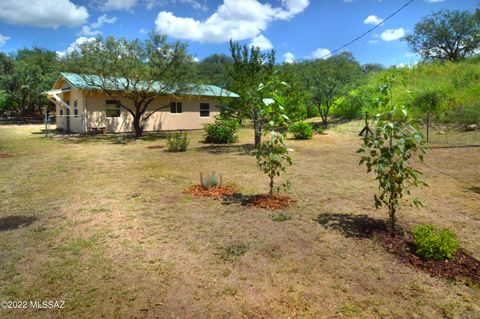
223 131
301 130
321 129
210 180
177 142
281 218
434 243
231 252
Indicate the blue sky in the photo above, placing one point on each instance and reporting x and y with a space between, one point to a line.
296 29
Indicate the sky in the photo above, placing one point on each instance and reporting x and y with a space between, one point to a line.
296 29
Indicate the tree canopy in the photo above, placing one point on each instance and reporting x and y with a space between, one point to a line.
446 35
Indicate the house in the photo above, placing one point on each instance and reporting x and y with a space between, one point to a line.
81 107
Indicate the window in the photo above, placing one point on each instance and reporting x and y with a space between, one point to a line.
112 108
61 112
75 108
176 107
204 110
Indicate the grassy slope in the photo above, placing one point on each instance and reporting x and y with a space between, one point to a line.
458 84
116 238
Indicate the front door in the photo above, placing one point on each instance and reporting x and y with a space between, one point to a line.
68 120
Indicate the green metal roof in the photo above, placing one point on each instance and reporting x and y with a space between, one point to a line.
94 82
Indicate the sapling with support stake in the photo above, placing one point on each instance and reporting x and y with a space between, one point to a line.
388 153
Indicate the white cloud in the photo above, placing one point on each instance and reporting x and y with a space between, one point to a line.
197 5
321 53
103 19
3 39
42 13
236 20
91 30
261 42
86 30
289 57
75 45
392 34
372 20
110 5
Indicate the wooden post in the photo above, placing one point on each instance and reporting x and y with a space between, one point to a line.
201 179
428 126
221 180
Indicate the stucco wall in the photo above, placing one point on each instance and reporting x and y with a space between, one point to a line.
77 124
163 120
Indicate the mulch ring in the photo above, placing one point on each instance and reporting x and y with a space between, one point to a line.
266 201
5 155
463 265
218 191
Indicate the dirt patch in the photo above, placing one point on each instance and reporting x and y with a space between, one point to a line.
155 147
13 222
463 265
275 201
199 190
5 155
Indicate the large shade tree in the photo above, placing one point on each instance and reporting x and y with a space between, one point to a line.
24 75
251 67
137 71
446 35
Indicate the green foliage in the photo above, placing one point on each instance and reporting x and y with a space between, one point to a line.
301 130
434 243
446 35
215 69
210 181
250 68
177 142
223 131
449 90
272 155
3 100
281 218
388 153
24 75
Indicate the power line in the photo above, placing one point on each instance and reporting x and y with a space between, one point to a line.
367 32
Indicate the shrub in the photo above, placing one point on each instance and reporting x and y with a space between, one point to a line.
301 130
177 142
223 131
431 242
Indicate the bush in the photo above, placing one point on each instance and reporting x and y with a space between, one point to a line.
223 131
177 142
301 130
431 242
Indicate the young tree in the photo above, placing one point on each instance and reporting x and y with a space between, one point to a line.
136 70
250 68
328 79
272 153
446 35
388 153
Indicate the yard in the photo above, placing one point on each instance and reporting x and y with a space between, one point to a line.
106 228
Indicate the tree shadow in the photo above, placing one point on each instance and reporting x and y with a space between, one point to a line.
357 226
15 221
108 138
475 189
243 149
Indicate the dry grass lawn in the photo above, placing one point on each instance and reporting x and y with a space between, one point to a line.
106 228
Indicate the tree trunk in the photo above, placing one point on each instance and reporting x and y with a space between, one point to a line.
257 130
137 126
271 185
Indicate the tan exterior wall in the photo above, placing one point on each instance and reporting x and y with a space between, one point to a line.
189 119
76 123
